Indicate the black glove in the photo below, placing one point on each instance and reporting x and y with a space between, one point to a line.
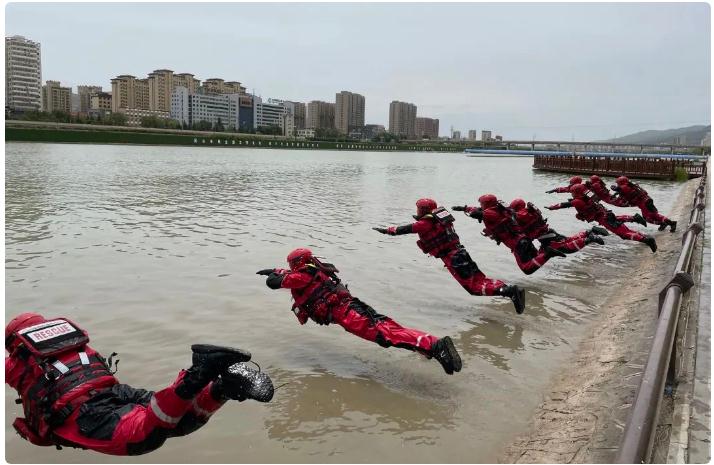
459 208
552 191
549 207
266 272
381 230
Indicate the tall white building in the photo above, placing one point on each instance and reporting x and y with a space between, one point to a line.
273 113
23 74
190 108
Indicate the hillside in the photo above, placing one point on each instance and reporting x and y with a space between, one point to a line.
692 135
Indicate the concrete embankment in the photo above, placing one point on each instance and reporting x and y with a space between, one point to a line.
583 414
25 131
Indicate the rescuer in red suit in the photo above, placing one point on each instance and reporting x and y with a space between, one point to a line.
635 196
534 226
319 295
565 189
438 238
501 226
70 396
598 187
589 209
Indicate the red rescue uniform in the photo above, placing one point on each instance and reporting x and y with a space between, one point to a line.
501 226
439 239
71 398
319 298
589 209
633 195
534 226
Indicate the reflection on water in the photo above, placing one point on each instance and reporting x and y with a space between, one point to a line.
321 406
154 248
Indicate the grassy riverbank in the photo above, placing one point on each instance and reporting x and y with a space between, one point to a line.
93 134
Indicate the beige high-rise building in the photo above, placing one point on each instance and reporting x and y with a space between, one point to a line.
349 111
23 74
299 113
56 97
427 127
219 86
402 119
100 101
320 115
128 92
85 95
161 85
188 81
473 134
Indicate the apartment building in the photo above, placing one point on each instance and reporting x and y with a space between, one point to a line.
23 74
320 115
427 128
349 111
56 98
402 119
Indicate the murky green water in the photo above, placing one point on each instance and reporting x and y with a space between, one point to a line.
155 248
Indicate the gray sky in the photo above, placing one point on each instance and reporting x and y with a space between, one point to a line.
588 71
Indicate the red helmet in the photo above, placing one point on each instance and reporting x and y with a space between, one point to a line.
595 179
622 180
576 180
425 206
578 190
488 201
518 204
299 258
21 321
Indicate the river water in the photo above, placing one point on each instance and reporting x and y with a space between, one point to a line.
154 248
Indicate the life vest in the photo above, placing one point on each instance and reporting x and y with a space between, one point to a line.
531 220
600 189
442 236
590 209
59 373
635 195
321 296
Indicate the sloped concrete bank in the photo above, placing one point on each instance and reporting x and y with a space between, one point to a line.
582 416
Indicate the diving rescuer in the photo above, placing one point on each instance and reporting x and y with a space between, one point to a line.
633 195
590 209
534 226
438 238
502 227
70 396
319 295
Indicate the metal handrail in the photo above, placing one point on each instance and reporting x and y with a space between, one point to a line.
638 439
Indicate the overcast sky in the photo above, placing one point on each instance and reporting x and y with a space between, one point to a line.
583 71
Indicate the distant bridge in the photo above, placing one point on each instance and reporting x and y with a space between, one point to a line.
604 146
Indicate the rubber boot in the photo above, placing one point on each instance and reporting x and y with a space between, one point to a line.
551 252
637 218
599 230
517 296
208 362
672 226
240 382
594 239
650 241
445 353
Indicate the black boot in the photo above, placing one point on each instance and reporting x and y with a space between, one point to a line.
209 361
672 226
637 218
517 296
550 252
445 353
240 382
650 241
592 238
599 230
663 226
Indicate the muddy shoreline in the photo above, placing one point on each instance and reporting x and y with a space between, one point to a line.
583 414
